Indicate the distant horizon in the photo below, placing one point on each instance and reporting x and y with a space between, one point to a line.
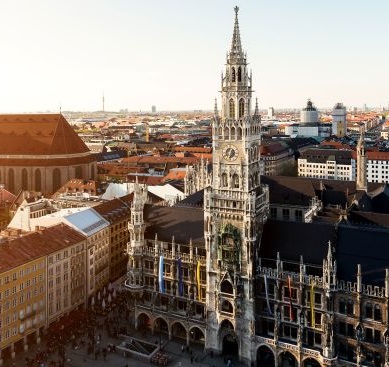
138 54
196 110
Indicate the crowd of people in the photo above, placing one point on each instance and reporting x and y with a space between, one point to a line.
81 329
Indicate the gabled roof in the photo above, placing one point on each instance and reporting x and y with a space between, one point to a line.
116 209
38 134
194 200
362 245
295 239
37 244
289 190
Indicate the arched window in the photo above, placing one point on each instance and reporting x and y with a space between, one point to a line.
24 179
226 287
11 180
224 180
227 306
377 313
342 306
239 74
226 133
232 109
38 180
233 133
78 172
241 107
56 179
235 181
369 311
233 75
239 137
350 307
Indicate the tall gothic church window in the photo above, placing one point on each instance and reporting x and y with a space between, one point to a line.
24 179
11 180
241 107
232 109
239 74
38 180
56 179
78 172
233 77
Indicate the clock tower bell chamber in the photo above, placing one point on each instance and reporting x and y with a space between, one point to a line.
235 209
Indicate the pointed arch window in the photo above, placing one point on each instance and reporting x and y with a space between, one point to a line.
224 180
227 306
233 133
24 179
241 107
78 172
56 179
38 180
226 287
232 108
235 181
11 180
233 76
239 74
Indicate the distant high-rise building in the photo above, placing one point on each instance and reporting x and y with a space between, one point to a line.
339 123
153 109
270 112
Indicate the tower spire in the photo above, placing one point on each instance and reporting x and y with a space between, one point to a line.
215 111
256 111
361 183
236 46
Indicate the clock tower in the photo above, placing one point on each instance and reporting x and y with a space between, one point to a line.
235 209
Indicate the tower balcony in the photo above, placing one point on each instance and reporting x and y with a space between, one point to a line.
133 287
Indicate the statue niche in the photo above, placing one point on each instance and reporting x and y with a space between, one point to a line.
230 246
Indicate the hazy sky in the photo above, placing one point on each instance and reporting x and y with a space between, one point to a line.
171 53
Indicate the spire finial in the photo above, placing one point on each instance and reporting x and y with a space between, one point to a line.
215 111
236 47
256 111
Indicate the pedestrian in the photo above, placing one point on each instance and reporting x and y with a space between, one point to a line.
191 359
182 348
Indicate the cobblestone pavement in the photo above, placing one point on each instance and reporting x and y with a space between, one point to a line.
79 357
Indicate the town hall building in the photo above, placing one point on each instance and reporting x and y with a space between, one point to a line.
267 292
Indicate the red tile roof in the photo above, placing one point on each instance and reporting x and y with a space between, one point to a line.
379 156
38 134
159 159
175 175
37 244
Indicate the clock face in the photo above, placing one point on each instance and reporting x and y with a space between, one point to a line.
230 153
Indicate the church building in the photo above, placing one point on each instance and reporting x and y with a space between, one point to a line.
41 152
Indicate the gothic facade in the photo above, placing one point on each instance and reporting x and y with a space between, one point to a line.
203 274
